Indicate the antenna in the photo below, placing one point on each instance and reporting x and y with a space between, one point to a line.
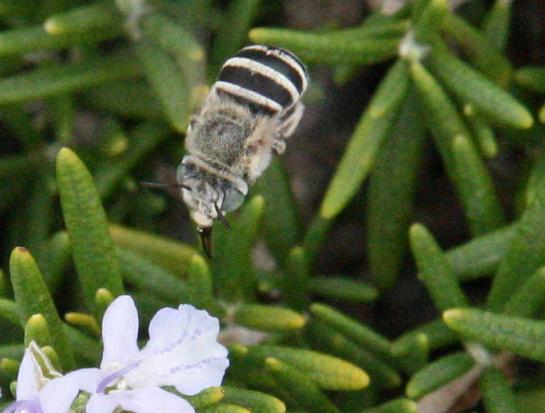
163 185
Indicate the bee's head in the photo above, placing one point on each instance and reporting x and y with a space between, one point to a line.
207 194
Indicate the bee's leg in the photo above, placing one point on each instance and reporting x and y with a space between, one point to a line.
279 146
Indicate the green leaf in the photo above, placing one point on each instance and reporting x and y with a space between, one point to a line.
167 81
343 288
296 279
482 207
85 220
517 335
472 87
58 79
232 266
366 141
94 17
498 397
526 251
232 33
434 270
353 330
255 401
395 406
281 218
32 297
438 374
171 255
268 318
329 340
36 329
206 397
329 48
482 255
497 23
392 185
299 387
329 373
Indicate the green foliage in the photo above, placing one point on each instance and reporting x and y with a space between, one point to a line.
94 98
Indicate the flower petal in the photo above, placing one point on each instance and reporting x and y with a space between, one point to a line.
87 379
58 395
27 378
119 333
182 351
101 403
148 400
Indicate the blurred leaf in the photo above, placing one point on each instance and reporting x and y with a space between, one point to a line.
369 135
93 17
232 33
58 79
487 58
296 279
171 255
148 277
497 24
392 185
343 288
280 218
167 81
233 271
329 48
531 77
143 139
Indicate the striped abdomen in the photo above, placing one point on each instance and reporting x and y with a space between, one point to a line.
267 79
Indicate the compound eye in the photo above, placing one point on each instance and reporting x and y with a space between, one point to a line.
232 200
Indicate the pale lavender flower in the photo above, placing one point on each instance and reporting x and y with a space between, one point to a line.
182 352
55 396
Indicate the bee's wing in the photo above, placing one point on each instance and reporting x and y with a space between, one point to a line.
289 120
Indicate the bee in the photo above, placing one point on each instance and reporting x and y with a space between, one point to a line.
250 111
